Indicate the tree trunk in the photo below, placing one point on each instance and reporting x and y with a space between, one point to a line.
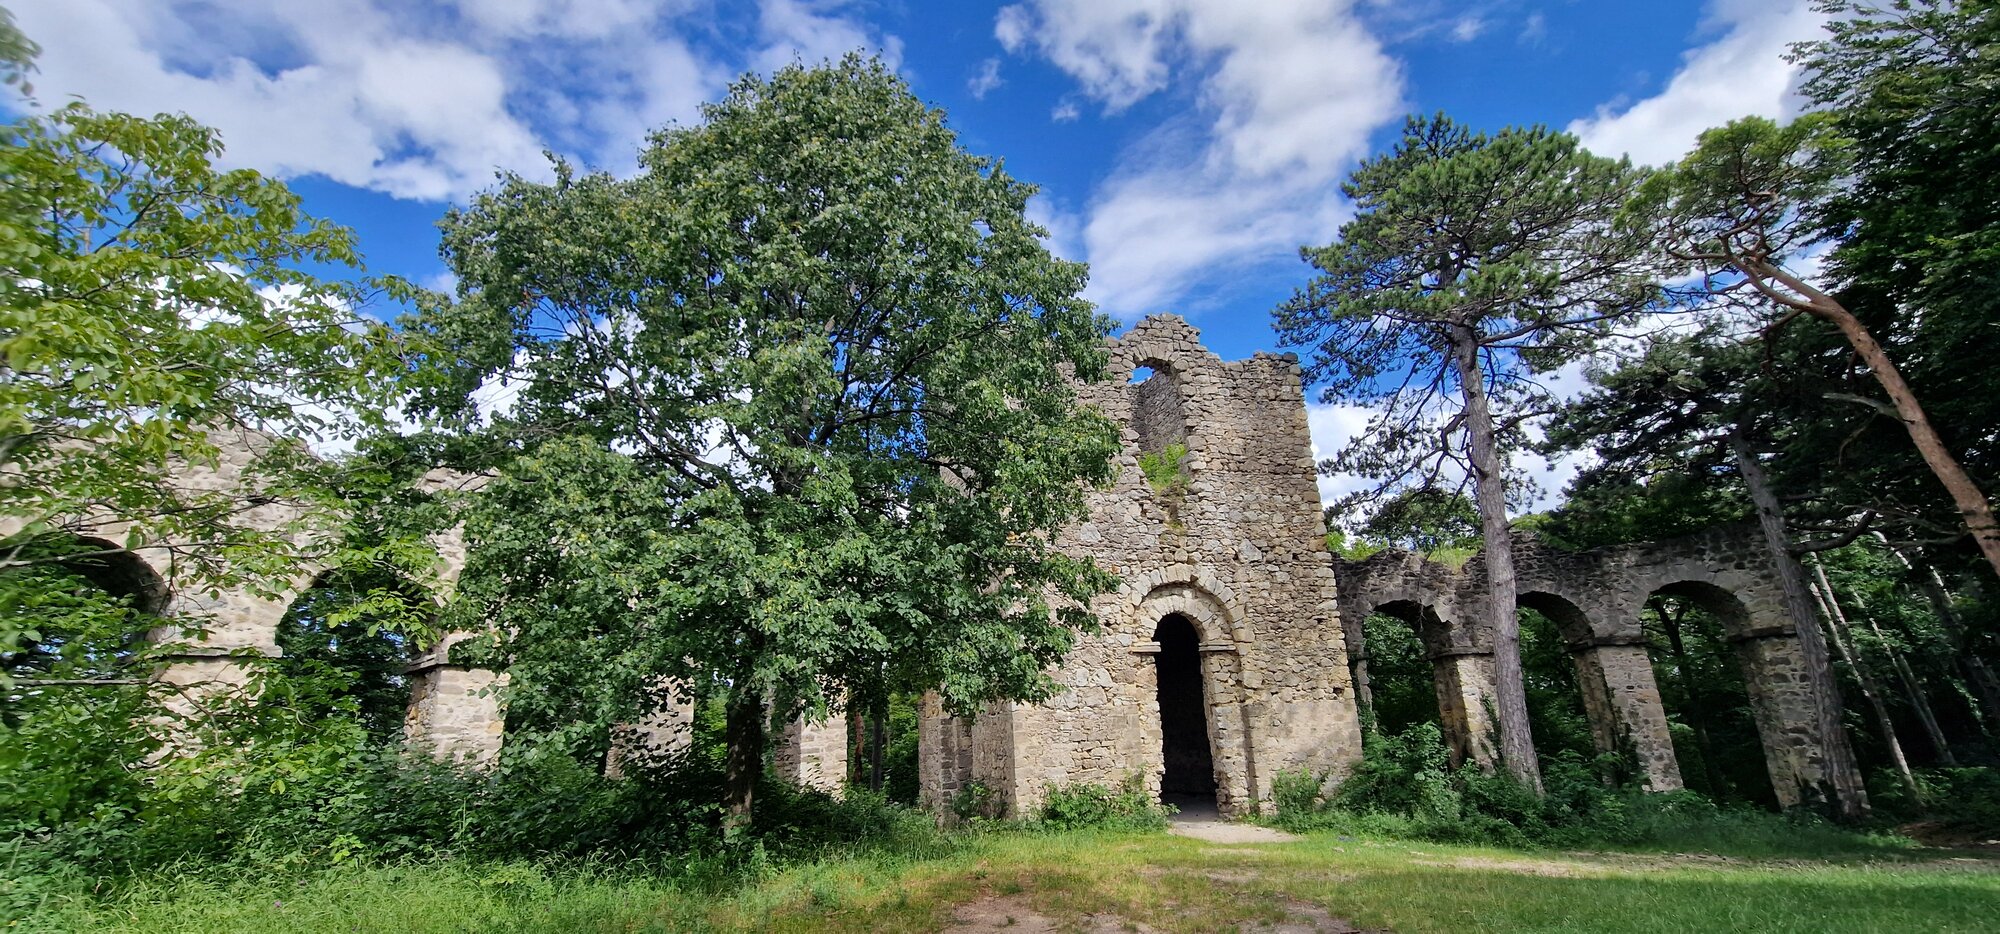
1973 507
1848 797
878 740
858 742
1517 744
1912 688
1836 623
1978 674
1697 718
743 757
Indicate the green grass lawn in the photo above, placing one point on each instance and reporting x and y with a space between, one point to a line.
1092 881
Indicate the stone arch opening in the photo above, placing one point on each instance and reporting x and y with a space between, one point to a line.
1591 692
356 625
1568 708
1188 776
1713 668
1392 667
93 604
1159 411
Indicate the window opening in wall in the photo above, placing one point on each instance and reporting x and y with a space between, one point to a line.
1189 781
1141 374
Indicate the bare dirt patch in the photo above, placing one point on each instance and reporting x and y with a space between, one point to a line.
1228 833
1308 918
1012 914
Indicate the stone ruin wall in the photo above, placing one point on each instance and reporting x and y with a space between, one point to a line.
452 713
1240 553
1595 598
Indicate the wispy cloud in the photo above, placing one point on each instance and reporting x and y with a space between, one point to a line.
1741 73
985 80
1282 100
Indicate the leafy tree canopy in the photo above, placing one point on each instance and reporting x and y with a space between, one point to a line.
795 416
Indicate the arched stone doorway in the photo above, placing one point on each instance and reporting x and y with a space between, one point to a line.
1188 776
1614 680
1772 664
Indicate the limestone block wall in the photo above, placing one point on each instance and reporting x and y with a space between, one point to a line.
1237 548
1595 598
812 754
210 630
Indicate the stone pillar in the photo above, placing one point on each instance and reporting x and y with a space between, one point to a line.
667 731
944 755
206 662
1774 672
455 710
1622 701
813 755
1229 734
1466 702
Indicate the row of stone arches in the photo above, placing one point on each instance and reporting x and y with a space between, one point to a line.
1594 604
199 638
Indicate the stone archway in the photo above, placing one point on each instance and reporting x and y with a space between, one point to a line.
1201 626
1772 662
1621 698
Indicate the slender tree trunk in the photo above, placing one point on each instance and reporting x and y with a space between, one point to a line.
878 741
743 757
1973 507
1985 685
1848 797
1914 689
1836 623
857 743
1697 717
1517 744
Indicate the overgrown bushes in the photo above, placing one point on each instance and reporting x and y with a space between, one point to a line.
1128 807
1404 787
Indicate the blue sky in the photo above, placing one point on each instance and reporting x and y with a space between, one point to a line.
1185 148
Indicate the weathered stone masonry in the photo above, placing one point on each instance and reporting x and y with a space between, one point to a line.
1239 554
1226 588
1595 599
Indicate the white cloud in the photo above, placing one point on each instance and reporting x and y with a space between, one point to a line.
987 78
1534 29
1065 111
1284 95
418 101
1334 426
1741 73
1467 28
813 31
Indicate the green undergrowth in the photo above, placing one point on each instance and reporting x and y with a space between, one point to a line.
1404 789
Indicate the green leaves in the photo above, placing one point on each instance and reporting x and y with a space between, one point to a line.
150 302
1503 241
795 415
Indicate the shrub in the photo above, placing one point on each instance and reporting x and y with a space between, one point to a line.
976 801
1403 788
1127 807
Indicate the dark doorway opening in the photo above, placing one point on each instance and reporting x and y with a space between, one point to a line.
1190 774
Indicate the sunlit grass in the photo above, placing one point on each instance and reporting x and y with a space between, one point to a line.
1165 882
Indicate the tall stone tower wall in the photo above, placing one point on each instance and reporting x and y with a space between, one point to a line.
1235 546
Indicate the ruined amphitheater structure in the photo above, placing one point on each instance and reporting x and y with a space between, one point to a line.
1231 650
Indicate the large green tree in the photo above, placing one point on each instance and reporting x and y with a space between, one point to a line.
152 305
1474 261
795 414
1739 210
